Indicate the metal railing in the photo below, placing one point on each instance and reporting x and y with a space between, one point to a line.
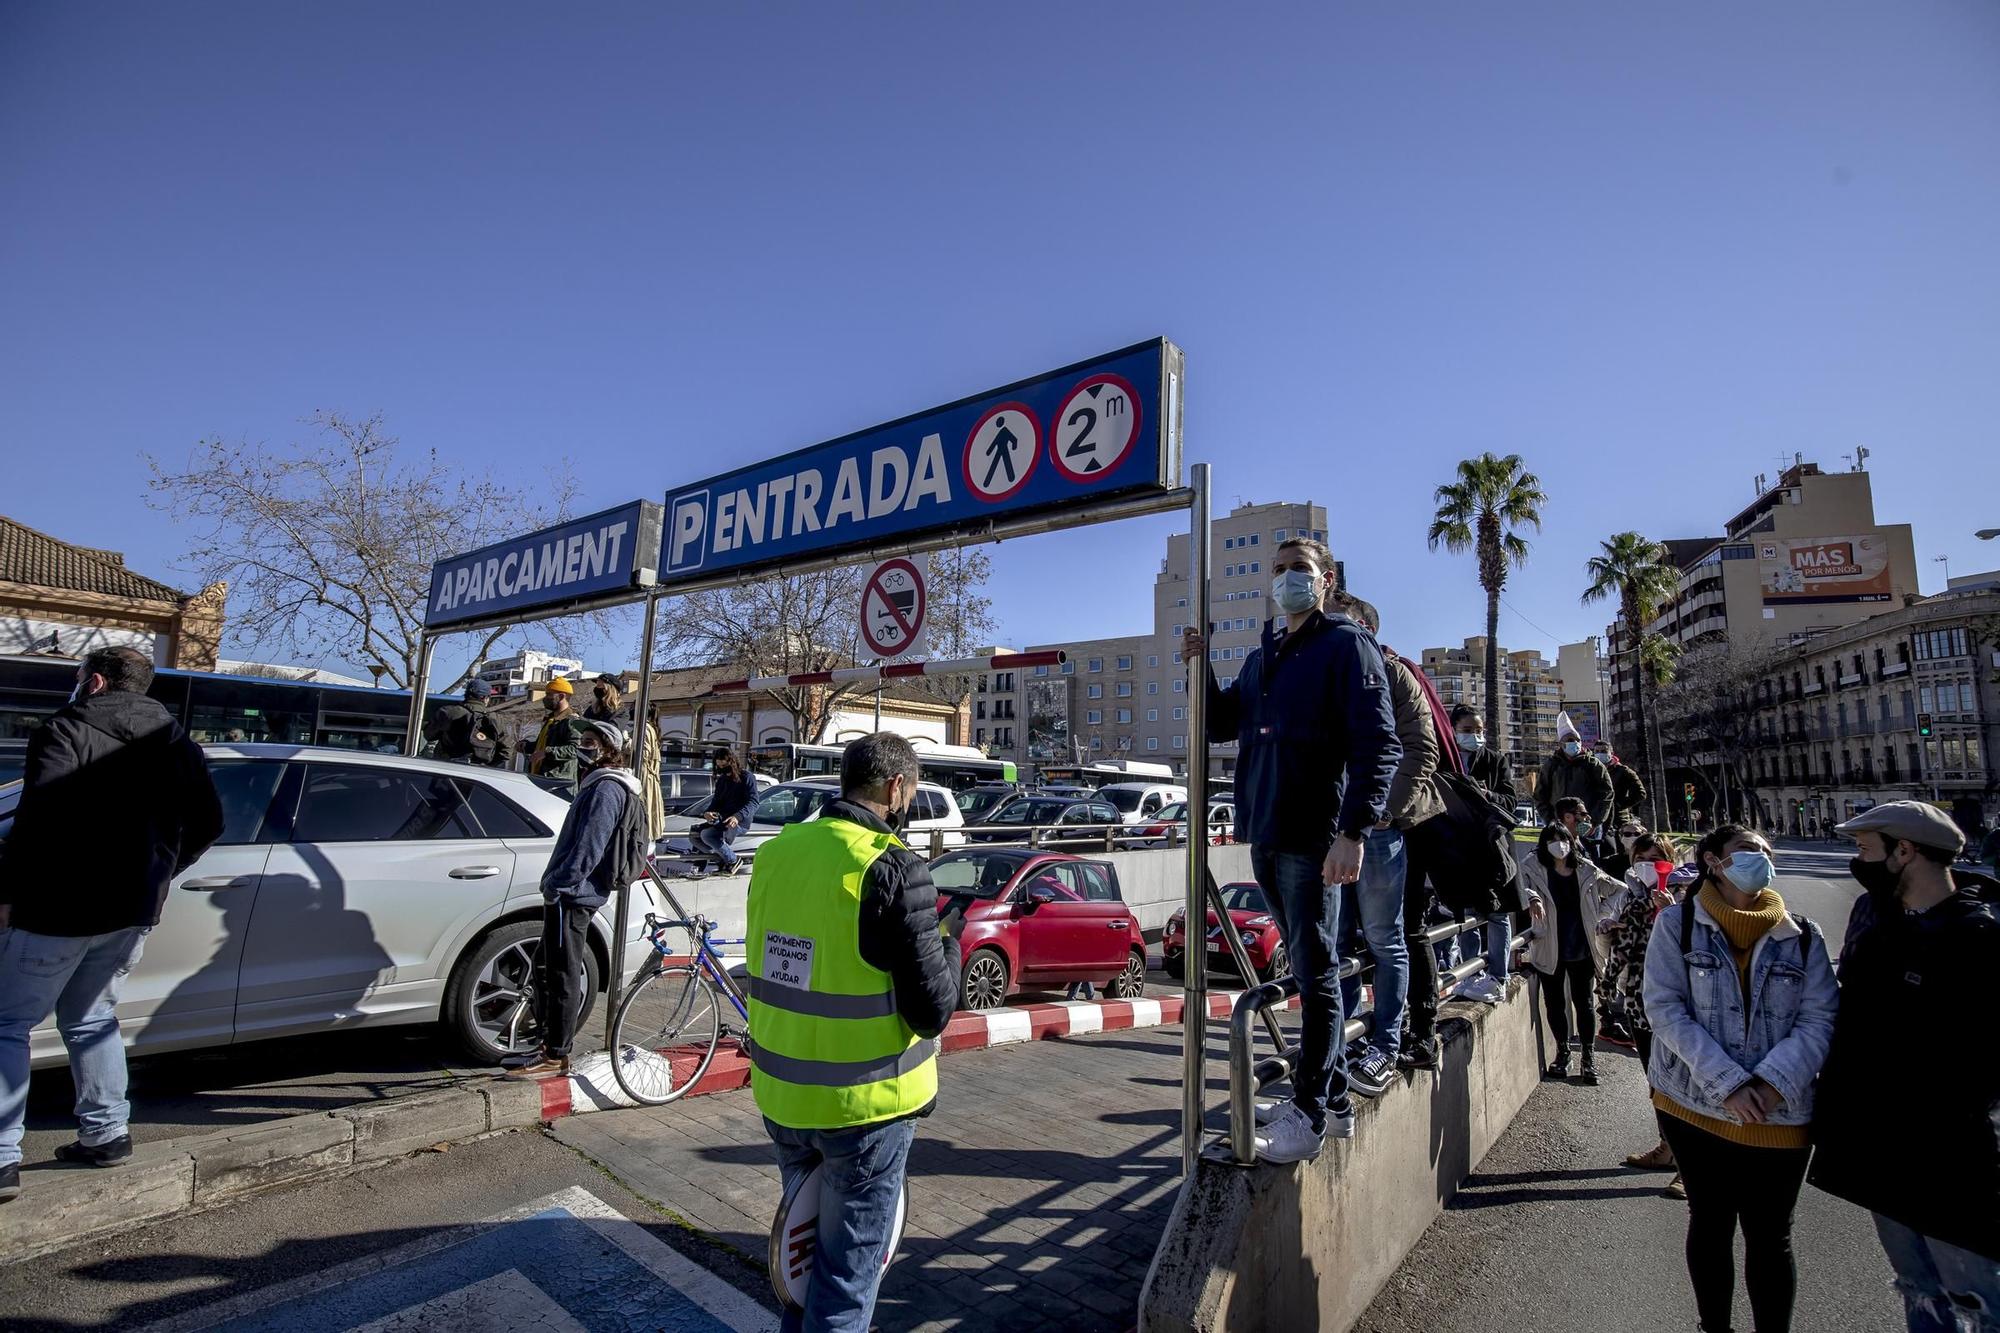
1079 838
1248 1076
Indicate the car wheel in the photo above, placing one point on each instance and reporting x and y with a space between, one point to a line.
984 985
1131 983
1279 966
489 1005
1177 967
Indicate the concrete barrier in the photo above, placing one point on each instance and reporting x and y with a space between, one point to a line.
1154 882
1308 1246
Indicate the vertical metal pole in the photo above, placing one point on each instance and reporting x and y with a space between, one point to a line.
878 705
640 699
1194 1011
421 686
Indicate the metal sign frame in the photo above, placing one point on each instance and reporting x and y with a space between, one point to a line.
1085 511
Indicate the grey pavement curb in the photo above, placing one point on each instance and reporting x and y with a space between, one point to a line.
61 1207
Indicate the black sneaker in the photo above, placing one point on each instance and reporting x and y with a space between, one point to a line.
101 1154
10 1181
1418 1053
1373 1075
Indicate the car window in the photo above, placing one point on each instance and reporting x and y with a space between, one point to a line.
245 788
1127 799
697 783
791 805
1070 875
979 874
1150 805
498 816
1243 897
1169 813
1102 814
1098 885
358 803
1028 812
1051 878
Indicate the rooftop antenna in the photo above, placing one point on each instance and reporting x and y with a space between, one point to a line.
1860 458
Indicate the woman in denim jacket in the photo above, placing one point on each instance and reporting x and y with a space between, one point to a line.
1733 1078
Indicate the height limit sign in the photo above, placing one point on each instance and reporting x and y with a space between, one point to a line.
893 602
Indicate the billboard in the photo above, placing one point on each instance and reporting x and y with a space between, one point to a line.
581 562
1048 721
1800 570
1587 721
1099 429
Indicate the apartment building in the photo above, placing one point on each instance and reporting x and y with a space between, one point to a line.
1531 695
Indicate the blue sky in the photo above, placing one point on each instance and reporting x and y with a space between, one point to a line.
1651 248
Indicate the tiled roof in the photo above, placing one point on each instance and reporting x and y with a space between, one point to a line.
31 557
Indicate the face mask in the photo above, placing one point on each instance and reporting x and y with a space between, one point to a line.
1572 748
1467 740
1295 592
589 756
1559 849
1750 872
1626 840
1649 874
76 694
1875 876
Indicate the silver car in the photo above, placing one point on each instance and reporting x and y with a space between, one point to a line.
352 890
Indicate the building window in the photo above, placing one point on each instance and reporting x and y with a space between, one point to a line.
1096 664
1180 687
1152 687
1177 659
1093 717
1125 663
1152 660
1041 671
1181 602
1253 539
1256 566
1152 715
1180 715
979 710
1096 691
979 736
1228 543
1282 533
1069 668
1152 742
1180 742
1124 689
1125 716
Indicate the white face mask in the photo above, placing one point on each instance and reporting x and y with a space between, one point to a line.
1295 592
1559 849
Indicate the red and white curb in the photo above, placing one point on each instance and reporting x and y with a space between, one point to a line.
591 1087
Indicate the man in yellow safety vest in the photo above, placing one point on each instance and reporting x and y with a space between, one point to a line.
850 984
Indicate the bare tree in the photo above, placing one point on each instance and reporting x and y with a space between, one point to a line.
804 623
1709 708
328 543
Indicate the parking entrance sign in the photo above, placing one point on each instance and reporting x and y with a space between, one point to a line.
1109 428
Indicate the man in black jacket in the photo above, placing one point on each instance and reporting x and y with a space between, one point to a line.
1316 731
116 801
468 733
1922 1153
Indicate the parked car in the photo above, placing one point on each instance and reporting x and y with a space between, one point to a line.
1527 816
977 802
682 787
352 889
796 802
1073 819
1251 920
1036 919
1139 802
1221 824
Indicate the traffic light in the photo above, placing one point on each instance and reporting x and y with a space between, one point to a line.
1687 792
1923 724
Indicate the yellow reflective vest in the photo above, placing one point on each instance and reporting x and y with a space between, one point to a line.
828 1048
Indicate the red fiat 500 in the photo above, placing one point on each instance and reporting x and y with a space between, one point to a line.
1038 919
1249 917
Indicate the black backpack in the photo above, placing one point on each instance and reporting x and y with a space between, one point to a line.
482 737
1468 848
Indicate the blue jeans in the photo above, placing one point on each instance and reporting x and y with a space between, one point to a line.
1935 1279
857 1206
1376 903
76 978
1308 912
1499 930
720 840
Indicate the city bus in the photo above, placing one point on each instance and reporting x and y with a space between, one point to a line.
213 707
1103 773
954 767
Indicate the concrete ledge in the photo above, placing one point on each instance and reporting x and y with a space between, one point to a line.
62 1205
401 1125
1308 1246
267 1155
512 1105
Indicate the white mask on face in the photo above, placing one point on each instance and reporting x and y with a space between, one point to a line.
1559 849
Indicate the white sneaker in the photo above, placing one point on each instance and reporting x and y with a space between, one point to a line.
1290 1138
1482 988
1269 1111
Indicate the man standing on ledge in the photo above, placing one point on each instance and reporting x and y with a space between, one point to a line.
1317 750
851 982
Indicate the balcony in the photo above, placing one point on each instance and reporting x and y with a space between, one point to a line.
1895 669
1812 689
1857 679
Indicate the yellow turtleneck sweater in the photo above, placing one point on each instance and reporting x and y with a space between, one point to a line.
1743 927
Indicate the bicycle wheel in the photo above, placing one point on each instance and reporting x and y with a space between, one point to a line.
665 1034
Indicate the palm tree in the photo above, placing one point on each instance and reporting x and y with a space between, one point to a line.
1639 573
1481 511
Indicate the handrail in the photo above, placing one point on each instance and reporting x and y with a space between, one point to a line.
1248 1078
936 842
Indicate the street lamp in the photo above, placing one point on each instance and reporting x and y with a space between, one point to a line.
1944 560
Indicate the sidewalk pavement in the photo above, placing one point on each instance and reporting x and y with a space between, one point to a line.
1038 1188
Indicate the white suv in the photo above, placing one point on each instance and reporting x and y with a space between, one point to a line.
1138 802
932 810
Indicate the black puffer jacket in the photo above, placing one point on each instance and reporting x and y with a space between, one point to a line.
899 929
1917 985
115 802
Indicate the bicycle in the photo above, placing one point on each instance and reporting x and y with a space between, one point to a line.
669 1025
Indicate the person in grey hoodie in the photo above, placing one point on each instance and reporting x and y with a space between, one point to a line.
601 846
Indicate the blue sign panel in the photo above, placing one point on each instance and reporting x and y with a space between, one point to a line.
583 560
1101 428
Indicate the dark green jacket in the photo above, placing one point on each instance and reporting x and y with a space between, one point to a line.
557 741
1583 777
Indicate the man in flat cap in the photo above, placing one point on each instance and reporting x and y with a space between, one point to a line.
1907 1118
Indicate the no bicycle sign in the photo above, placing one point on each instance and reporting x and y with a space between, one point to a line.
893 601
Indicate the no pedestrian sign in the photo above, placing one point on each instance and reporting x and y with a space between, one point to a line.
893 601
